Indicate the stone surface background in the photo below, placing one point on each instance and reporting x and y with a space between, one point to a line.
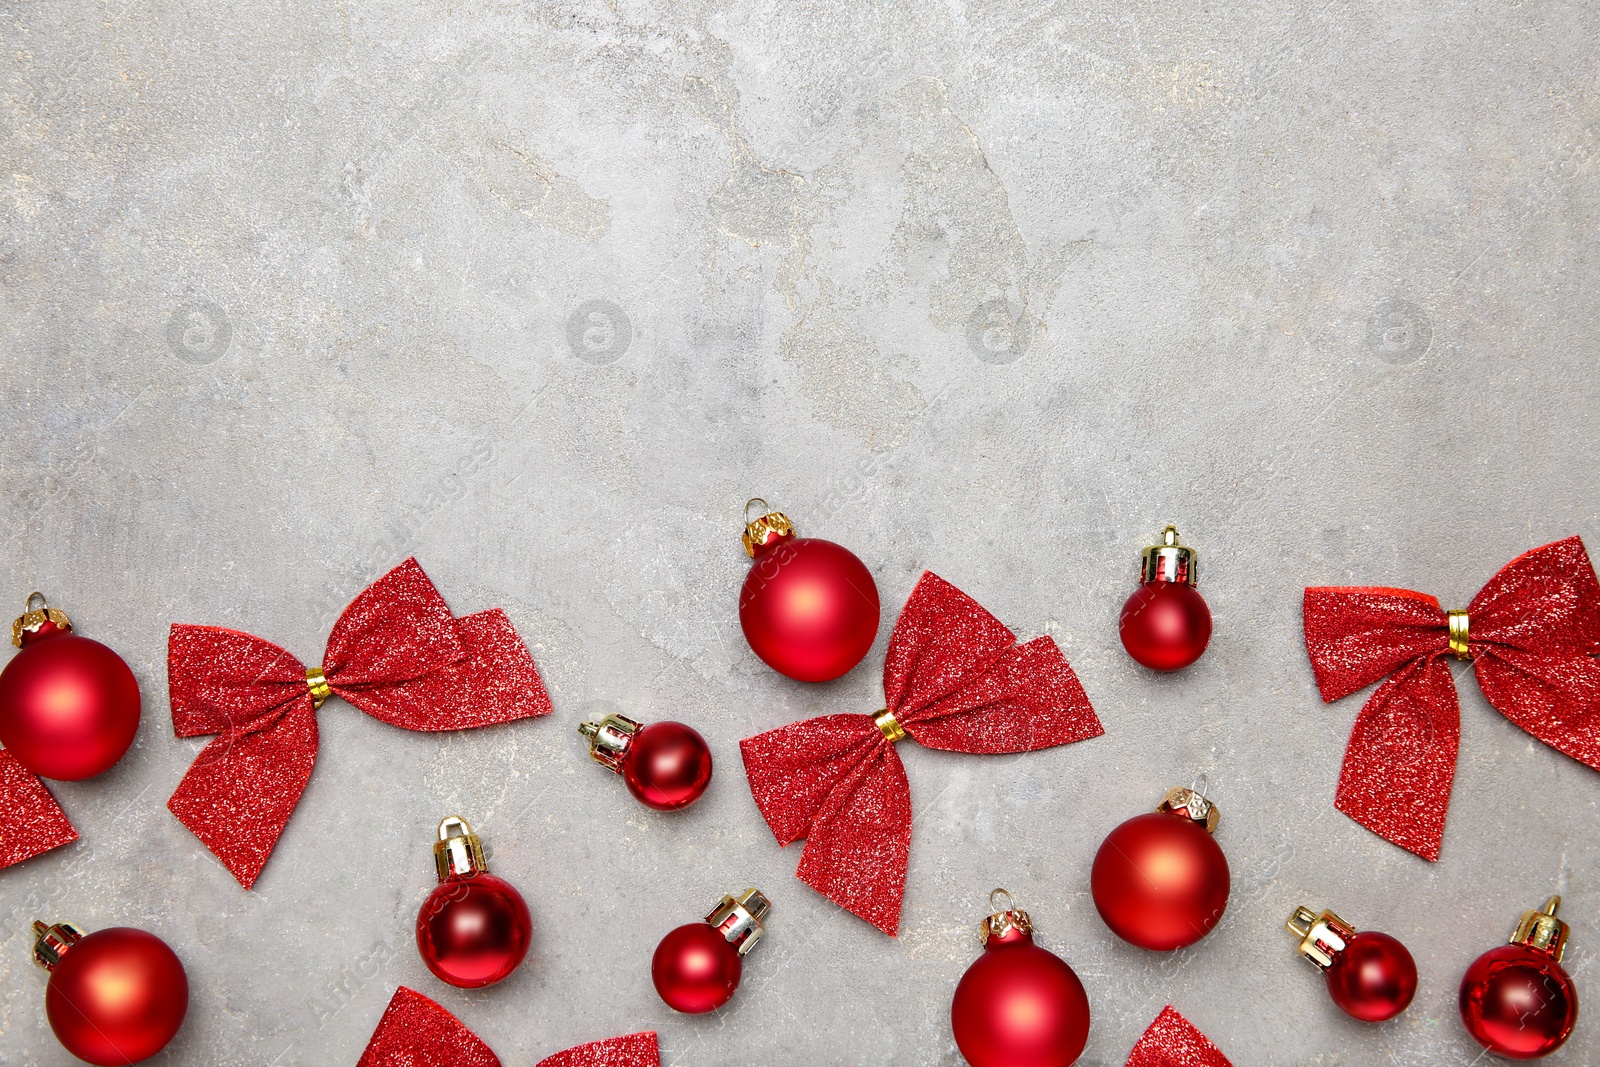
541 291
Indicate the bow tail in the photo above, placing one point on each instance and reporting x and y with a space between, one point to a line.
1173 1041
634 1050
1555 697
32 823
416 1032
1401 759
242 788
859 846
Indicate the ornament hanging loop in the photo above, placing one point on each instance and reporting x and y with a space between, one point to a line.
44 605
994 900
33 619
748 504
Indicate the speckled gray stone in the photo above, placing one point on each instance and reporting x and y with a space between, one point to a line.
541 291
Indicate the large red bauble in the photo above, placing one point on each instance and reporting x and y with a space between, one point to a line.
473 931
1518 1002
1373 978
696 969
117 997
1019 1006
1160 881
667 765
809 608
69 706
1166 625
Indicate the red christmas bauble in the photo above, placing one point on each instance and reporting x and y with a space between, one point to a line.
695 969
116 996
1160 881
1019 1005
809 607
1166 624
667 765
69 706
1518 1002
1373 978
474 929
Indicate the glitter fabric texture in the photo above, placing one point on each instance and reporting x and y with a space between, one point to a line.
396 653
1172 1041
955 679
416 1032
32 822
1533 633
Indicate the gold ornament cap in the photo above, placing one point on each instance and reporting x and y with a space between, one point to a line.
50 943
1192 804
738 919
1007 923
609 739
459 853
1541 930
33 620
1168 561
1322 937
764 533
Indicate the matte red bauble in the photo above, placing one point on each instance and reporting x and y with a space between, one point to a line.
1160 881
1516 1000
667 765
115 997
69 707
474 928
696 968
809 607
1371 976
1018 1005
1166 624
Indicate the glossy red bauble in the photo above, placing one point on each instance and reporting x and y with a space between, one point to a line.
1374 978
809 608
115 997
696 968
1516 1000
474 929
69 706
666 765
1166 624
1018 1005
1160 881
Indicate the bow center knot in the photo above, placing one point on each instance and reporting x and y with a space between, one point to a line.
1458 635
892 730
317 682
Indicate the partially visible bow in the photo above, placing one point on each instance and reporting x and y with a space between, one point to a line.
1173 1041
32 822
396 653
1531 633
416 1032
954 679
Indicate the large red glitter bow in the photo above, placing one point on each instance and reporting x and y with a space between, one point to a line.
1173 1041
396 653
416 1032
33 822
1530 633
954 679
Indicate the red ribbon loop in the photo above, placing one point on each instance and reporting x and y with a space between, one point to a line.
416 1032
1173 1041
1533 632
396 653
955 679
34 823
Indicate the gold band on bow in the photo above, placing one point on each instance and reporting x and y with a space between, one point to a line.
318 684
892 730
1458 635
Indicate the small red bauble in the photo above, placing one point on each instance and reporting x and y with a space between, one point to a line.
1166 624
115 997
667 765
696 968
1516 1000
809 607
1371 976
69 706
1018 1005
1160 881
474 928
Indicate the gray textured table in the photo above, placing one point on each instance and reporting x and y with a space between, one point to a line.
542 291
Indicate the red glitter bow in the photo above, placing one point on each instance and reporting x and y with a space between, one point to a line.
954 679
416 1032
1530 633
33 821
396 653
1173 1041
